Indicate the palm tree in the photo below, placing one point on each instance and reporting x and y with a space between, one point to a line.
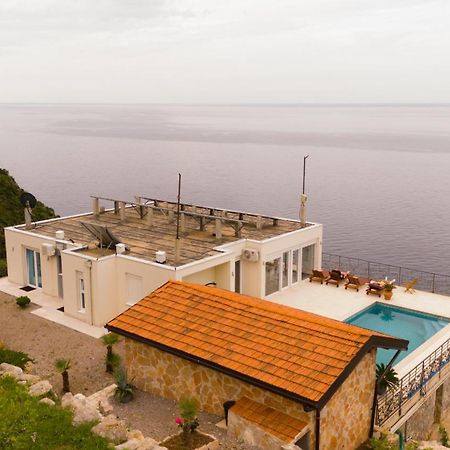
112 360
62 366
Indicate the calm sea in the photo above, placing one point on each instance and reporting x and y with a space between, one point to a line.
378 178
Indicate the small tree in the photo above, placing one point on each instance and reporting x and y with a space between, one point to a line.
63 366
189 408
385 380
112 360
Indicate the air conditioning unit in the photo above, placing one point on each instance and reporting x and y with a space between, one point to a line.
250 254
48 250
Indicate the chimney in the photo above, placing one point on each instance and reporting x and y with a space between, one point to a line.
27 218
303 199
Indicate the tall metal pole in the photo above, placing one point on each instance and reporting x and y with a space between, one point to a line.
177 241
304 171
178 206
303 197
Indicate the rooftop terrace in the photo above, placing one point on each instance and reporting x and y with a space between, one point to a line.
149 225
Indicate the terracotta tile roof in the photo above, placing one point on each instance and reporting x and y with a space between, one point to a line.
296 352
275 422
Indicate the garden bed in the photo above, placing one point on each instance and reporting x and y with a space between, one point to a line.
196 441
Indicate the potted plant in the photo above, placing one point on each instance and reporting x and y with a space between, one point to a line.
385 380
388 287
190 438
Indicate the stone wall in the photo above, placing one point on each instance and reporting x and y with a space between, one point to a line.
345 420
173 377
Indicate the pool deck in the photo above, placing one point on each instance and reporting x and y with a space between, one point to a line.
340 304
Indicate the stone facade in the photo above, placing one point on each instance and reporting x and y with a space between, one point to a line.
172 377
345 420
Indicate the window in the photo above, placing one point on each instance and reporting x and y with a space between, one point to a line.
237 276
294 266
273 276
285 271
134 288
307 260
81 292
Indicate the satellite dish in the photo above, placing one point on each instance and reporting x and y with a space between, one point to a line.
28 200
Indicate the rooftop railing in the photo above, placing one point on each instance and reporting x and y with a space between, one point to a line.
426 281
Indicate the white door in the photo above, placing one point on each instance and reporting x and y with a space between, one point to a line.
33 268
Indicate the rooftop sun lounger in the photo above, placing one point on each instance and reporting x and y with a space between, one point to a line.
317 275
353 282
335 277
410 285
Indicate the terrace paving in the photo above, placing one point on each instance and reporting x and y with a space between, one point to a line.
341 304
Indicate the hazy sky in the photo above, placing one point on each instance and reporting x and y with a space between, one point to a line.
225 51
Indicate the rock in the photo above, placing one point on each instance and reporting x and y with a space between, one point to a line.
132 444
29 366
111 428
83 409
148 444
9 369
29 378
434 445
135 434
105 407
47 401
40 388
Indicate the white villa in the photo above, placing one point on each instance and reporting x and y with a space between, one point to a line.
98 264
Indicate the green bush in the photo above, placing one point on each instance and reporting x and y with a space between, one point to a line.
18 359
3 268
444 436
27 424
23 301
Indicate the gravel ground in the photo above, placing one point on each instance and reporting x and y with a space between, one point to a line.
45 341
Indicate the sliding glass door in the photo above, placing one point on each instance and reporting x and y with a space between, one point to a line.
33 268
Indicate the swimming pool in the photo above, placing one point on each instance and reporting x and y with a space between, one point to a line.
414 326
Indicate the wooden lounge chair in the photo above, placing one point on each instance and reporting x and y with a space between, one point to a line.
335 277
317 275
375 288
410 285
353 282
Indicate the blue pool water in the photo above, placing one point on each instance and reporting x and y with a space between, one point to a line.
414 326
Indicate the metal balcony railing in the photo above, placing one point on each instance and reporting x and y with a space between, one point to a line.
392 401
426 281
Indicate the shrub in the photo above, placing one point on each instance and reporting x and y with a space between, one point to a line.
189 407
125 390
3 268
18 359
444 436
23 301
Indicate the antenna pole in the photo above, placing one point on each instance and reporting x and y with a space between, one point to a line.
177 241
303 197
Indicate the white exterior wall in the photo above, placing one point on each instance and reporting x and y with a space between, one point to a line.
108 296
17 241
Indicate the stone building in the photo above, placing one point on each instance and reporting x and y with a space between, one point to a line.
295 377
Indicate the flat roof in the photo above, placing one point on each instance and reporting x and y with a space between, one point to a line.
299 355
144 240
